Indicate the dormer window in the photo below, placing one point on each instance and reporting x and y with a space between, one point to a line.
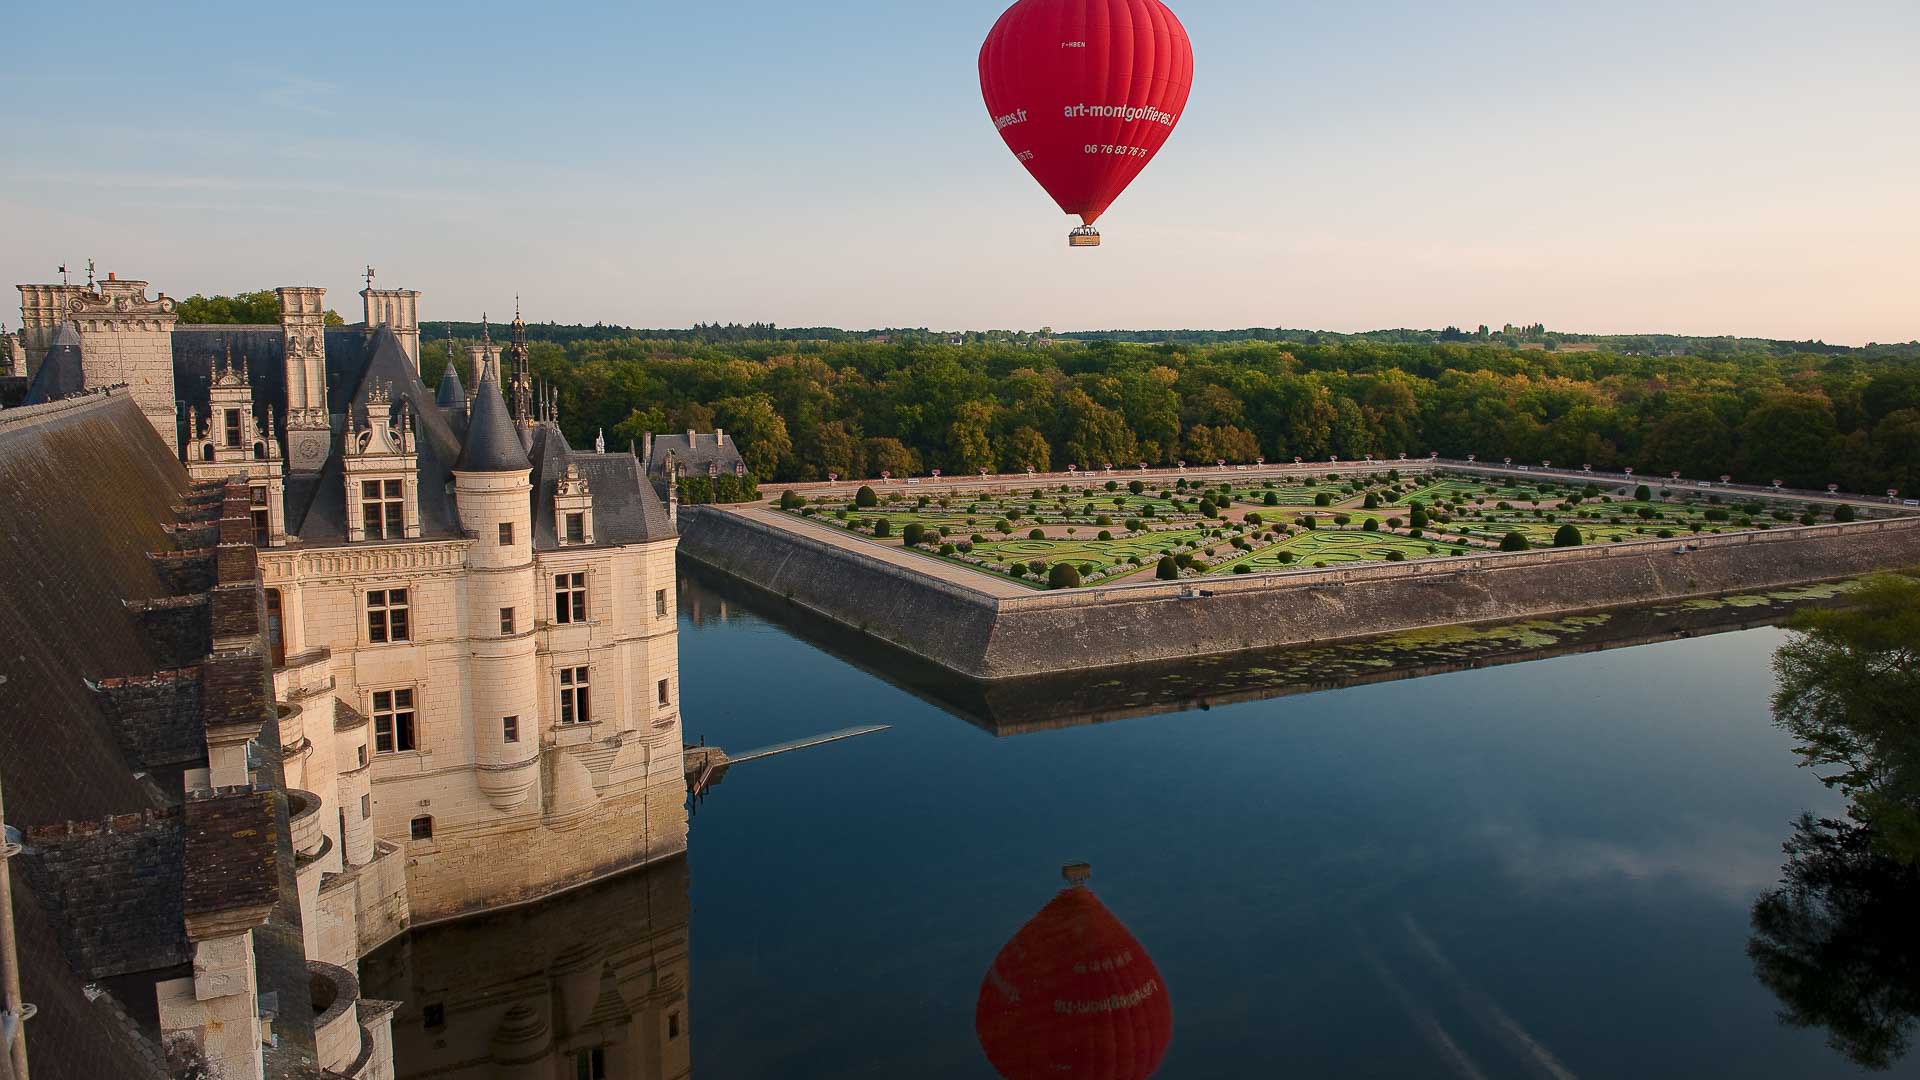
382 474
383 509
230 439
573 509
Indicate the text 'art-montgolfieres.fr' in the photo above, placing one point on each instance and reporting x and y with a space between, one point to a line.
1073 996
1085 92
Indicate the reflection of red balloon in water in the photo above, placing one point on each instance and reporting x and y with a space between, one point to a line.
1085 94
1074 996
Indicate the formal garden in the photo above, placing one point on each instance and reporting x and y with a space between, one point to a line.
1110 531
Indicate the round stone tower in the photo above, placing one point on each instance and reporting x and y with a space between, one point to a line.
492 485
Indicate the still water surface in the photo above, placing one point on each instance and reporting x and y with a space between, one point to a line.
1540 870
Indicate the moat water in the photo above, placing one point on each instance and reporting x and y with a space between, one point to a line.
1544 869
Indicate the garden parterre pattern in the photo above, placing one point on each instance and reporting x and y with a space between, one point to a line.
1466 515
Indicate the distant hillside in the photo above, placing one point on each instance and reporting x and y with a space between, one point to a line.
1512 337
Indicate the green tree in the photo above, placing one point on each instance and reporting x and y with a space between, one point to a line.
1849 694
970 446
865 497
890 455
760 431
1063 576
1514 541
1568 536
1096 434
1027 447
1167 569
241 309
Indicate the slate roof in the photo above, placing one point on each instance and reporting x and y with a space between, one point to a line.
493 443
626 510
81 1032
451 395
112 891
694 453
73 556
60 372
317 504
232 852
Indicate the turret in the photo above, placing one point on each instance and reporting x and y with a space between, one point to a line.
492 485
451 396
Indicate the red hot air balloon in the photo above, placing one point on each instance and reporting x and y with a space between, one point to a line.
1085 92
1074 996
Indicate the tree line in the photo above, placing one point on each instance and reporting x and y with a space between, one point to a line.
804 409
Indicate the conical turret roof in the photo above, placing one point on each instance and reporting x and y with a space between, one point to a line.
451 395
59 373
493 445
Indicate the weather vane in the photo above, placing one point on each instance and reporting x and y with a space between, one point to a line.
89 273
369 278
65 278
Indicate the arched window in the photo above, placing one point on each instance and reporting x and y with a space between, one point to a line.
206 453
422 828
259 451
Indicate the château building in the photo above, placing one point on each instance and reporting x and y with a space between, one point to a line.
468 625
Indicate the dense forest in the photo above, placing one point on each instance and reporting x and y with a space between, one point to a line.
856 404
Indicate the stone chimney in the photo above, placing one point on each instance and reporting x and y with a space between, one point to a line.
693 437
646 449
719 436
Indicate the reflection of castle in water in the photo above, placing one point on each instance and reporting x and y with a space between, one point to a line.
590 985
1071 699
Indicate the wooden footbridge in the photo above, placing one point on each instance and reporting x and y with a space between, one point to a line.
706 764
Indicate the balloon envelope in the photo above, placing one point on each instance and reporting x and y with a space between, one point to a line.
1074 997
1085 92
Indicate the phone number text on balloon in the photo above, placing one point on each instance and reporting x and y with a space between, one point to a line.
1117 151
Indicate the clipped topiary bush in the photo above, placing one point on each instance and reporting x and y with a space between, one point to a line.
1063 576
1513 541
913 533
882 527
1168 570
865 497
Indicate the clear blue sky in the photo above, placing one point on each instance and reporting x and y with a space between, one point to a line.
1692 167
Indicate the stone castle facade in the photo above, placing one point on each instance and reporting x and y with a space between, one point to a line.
472 625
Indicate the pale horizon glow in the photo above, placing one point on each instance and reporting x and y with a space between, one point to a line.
1708 168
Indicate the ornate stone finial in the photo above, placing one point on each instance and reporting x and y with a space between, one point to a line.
486 335
1076 873
600 442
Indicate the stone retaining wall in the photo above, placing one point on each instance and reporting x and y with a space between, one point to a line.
988 638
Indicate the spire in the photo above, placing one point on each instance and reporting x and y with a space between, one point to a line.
450 395
492 443
520 386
